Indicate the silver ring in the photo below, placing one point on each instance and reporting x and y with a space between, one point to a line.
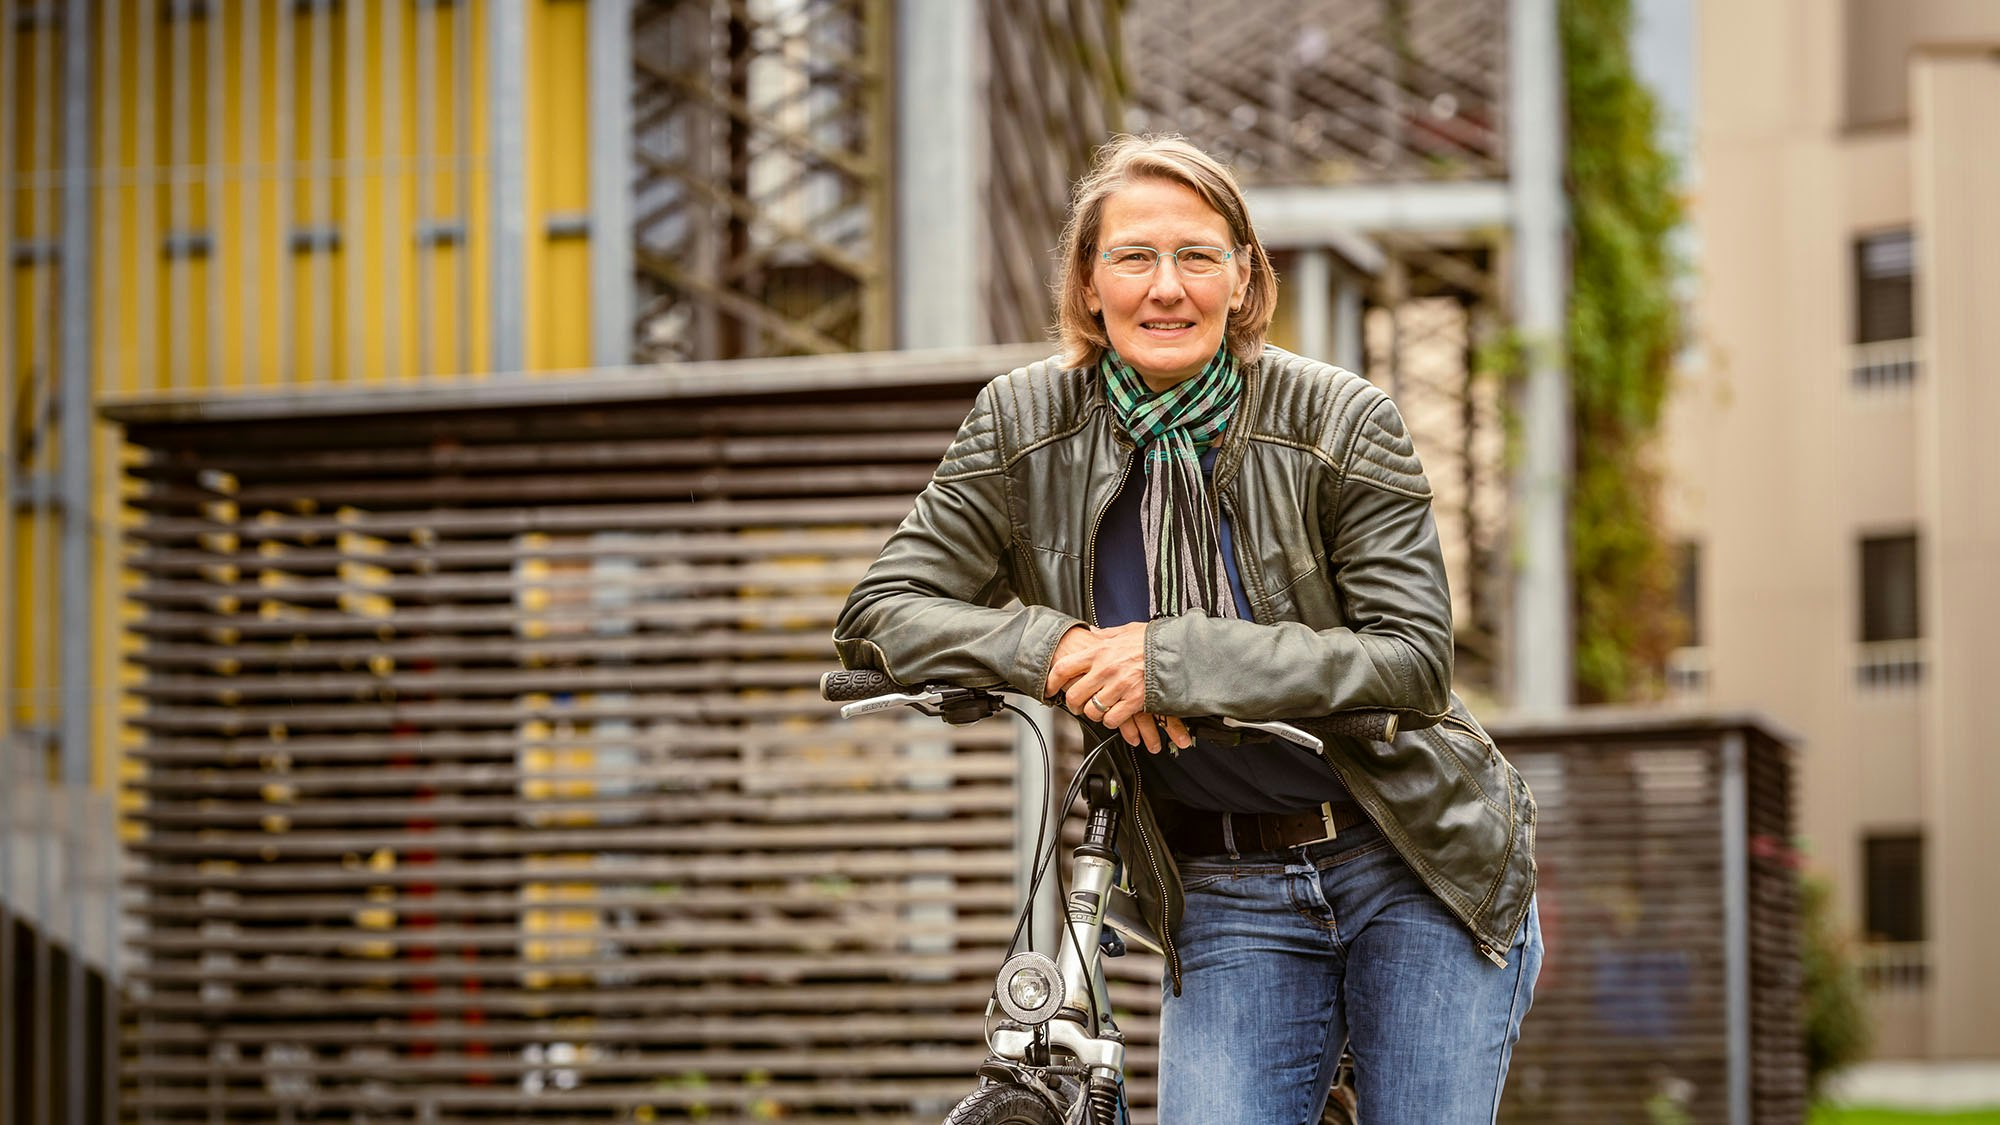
1099 704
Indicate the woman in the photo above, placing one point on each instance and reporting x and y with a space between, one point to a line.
1173 519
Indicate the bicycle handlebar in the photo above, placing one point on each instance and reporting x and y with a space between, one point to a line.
1369 725
857 683
860 684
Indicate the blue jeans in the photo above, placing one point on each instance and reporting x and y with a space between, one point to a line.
1287 955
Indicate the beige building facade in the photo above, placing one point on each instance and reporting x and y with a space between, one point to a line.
1834 464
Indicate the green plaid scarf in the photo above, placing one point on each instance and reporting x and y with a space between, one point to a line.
1178 521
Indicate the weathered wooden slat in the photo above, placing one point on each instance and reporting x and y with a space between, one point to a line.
229 691
817 935
815 613
439 524
221 843
445 557
862 861
835 1028
478 651
259 750
254 780
852 1062
667 1004
572 970
864 438
384 711
621 1097
641 587
170 916
218 818
709 484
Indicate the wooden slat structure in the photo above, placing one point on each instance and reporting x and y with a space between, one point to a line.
483 774
483 779
1669 911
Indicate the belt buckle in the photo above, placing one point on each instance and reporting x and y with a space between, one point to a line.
1326 818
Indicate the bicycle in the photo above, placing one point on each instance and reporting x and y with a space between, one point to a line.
1057 1056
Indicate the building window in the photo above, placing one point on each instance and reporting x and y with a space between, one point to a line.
1893 865
1687 666
1889 589
1687 591
1884 298
1891 652
1885 320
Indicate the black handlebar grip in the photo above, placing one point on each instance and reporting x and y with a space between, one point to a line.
1373 726
859 683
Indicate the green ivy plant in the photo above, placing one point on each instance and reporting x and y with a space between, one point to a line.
1623 332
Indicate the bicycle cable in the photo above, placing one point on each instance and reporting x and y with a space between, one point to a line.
1046 849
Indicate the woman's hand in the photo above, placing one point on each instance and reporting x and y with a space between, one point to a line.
1100 674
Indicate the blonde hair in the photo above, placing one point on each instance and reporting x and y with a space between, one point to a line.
1129 159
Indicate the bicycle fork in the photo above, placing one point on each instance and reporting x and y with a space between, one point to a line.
1056 1003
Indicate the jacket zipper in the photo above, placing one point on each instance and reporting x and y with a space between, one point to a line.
1096 526
1159 877
1495 954
1451 720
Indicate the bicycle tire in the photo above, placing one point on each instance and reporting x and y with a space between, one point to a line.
1003 1104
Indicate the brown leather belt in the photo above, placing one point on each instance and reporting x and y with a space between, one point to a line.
1201 832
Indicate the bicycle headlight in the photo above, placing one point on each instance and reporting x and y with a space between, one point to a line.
1030 987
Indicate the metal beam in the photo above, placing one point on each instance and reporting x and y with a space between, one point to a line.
10 994
611 236
1312 289
1540 660
1330 216
939 136
73 418
1735 788
1347 310
75 593
506 117
861 371
353 247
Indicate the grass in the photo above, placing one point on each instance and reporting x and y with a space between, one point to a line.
1864 1115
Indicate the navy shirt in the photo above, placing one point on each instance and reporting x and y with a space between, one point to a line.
1265 775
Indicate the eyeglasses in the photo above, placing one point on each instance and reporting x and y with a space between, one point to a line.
1141 261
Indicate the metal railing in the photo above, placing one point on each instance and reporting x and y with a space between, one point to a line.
1687 673
1896 966
1885 365
1888 666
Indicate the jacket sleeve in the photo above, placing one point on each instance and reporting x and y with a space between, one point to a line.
924 610
1394 650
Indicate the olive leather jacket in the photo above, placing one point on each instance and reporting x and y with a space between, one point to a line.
1339 558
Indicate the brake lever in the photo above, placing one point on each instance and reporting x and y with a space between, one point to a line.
955 705
921 700
1286 731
